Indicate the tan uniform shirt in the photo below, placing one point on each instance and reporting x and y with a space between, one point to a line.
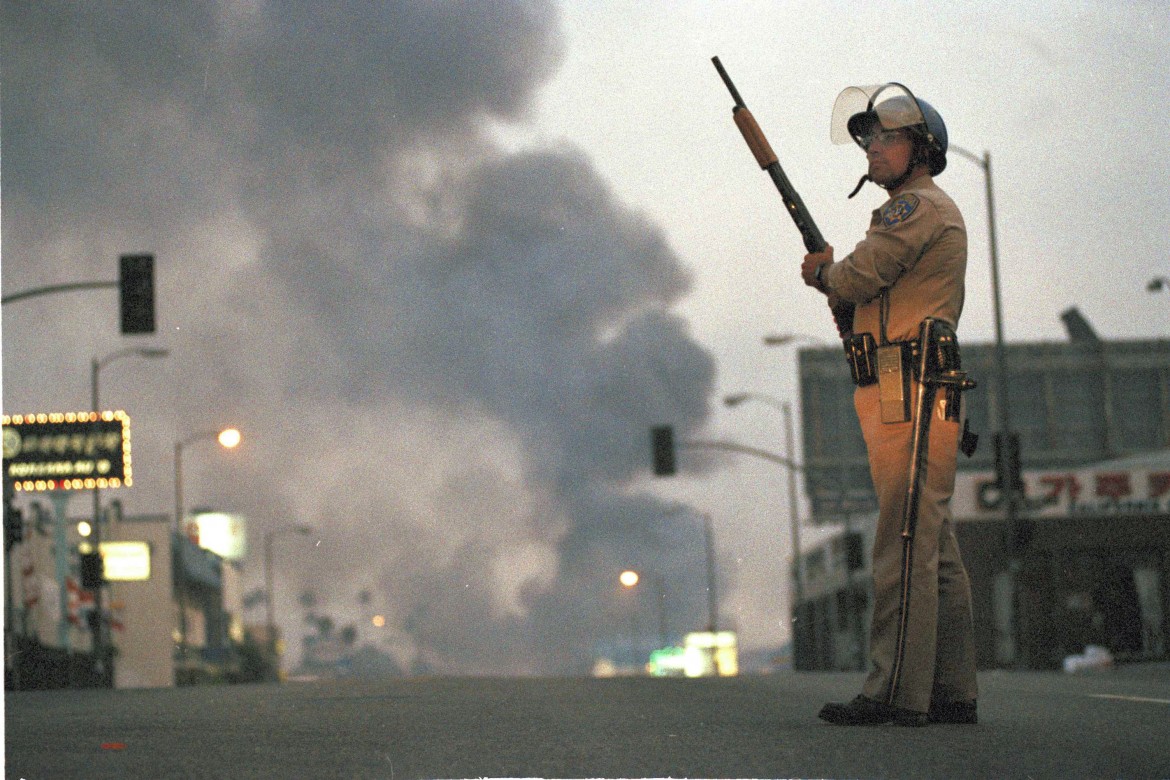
916 246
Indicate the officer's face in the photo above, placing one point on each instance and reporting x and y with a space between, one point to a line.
888 152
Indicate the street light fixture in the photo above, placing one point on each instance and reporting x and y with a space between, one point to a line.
228 438
781 339
96 366
303 530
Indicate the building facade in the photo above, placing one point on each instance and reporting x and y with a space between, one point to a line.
1084 557
173 609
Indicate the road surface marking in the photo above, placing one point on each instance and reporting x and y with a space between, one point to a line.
1128 698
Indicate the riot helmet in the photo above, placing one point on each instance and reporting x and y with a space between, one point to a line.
860 112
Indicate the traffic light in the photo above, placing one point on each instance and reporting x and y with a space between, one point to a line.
93 620
136 284
662 443
92 571
13 527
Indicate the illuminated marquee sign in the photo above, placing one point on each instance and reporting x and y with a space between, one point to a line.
72 451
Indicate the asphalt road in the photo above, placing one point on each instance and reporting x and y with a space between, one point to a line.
1032 725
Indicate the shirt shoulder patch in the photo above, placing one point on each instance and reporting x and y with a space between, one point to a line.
899 210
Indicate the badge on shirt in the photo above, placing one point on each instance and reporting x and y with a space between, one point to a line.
899 210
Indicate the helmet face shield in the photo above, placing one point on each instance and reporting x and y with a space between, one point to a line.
858 112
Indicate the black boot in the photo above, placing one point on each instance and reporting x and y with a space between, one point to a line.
864 711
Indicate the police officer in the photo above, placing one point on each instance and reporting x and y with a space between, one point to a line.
909 267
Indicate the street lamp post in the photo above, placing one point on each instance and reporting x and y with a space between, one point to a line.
269 602
712 595
630 579
96 366
1003 410
229 438
727 446
794 523
798 572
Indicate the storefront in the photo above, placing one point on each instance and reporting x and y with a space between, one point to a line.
1089 558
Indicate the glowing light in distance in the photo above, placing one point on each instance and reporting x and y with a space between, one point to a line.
230 437
628 578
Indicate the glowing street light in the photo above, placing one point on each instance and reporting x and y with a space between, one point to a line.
229 437
628 578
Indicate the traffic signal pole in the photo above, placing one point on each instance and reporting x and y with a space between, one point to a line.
55 288
135 282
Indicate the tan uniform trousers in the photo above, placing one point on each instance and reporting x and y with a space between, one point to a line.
937 656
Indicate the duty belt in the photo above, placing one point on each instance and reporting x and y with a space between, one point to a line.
862 352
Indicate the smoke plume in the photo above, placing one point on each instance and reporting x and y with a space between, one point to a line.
445 357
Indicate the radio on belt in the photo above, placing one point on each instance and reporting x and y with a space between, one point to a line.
894 367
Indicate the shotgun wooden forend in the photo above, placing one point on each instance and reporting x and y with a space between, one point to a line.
754 137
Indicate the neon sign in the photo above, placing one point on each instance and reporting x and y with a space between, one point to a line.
69 451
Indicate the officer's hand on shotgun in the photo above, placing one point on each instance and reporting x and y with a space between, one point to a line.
814 266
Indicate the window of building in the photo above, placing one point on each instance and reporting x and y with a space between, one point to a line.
1076 416
1028 396
1138 415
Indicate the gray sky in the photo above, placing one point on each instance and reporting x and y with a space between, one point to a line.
445 264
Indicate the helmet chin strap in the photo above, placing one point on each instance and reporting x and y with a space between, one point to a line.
895 184
860 183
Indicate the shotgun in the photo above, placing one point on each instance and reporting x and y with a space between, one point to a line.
762 150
